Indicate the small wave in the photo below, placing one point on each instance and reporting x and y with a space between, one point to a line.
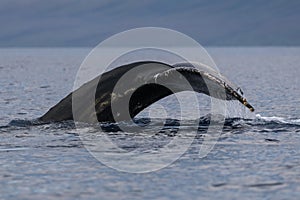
281 120
13 149
167 124
23 122
262 185
258 123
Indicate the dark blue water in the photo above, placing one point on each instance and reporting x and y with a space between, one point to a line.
257 155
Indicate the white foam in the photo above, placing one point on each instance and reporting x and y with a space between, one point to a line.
278 119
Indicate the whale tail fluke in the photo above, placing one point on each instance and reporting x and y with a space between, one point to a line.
210 83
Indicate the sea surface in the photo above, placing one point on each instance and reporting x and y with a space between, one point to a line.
257 156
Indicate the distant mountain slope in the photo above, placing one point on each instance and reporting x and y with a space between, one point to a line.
69 23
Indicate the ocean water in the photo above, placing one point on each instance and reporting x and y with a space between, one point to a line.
257 156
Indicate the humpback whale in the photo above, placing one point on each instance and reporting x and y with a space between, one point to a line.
144 87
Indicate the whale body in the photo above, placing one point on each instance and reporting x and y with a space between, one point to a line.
148 82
